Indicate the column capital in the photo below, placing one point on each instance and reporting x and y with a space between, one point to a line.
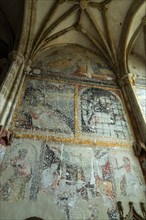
128 78
27 70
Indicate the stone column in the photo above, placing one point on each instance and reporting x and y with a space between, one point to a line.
136 116
126 83
11 85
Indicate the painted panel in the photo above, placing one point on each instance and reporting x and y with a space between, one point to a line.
79 182
71 111
102 115
73 62
46 108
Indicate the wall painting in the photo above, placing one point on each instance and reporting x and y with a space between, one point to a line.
80 182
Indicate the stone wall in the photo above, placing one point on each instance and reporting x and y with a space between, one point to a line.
137 66
72 155
140 93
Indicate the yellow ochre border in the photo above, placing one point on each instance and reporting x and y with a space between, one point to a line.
76 139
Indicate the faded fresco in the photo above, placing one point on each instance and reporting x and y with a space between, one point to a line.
47 107
102 114
80 181
70 108
73 62
141 98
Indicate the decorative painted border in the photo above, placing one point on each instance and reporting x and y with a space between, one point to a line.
77 138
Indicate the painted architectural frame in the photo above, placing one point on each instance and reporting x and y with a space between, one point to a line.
55 110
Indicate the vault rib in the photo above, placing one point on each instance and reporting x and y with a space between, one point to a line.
59 20
98 46
53 26
99 5
45 24
80 16
125 33
109 38
134 36
31 28
49 39
105 45
58 34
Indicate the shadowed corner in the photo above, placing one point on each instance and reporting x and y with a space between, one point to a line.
33 218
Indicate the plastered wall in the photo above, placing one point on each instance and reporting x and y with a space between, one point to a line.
68 181
72 155
137 66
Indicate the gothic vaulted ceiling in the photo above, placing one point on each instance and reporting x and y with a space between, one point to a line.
110 28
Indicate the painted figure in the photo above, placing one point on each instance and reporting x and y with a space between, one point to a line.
103 114
50 173
14 188
46 107
127 164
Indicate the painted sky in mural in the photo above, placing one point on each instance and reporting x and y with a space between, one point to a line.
73 61
83 182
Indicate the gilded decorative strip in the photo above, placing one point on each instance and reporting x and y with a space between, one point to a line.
77 138
72 82
87 143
